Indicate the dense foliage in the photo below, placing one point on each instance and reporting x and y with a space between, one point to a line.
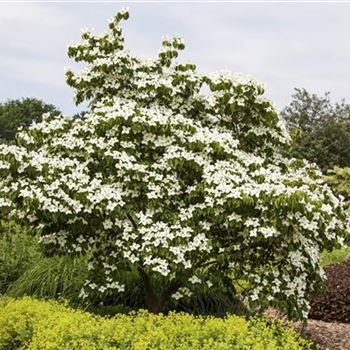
25 271
319 129
24 324
17 253
163 180
21 113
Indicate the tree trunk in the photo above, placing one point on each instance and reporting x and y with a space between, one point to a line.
155 303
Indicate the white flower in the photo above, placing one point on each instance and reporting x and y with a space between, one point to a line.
194 279
102 289
107 224
83 294
93 285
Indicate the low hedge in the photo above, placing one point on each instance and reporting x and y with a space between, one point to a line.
33 324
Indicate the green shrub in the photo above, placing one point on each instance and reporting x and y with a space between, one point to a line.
25 271
339 180
33 325
18 250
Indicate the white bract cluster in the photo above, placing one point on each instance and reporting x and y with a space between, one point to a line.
166 180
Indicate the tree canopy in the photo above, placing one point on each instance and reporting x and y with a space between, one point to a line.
165 180
320 129
21 113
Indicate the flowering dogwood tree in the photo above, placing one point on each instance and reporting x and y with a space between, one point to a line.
170 172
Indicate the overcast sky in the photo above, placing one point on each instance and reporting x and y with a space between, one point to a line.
285 45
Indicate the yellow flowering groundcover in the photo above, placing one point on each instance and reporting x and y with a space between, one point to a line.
33 324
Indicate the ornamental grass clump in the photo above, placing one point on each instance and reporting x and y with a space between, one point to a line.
164 180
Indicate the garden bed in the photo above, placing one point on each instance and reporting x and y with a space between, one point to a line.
334 303
328 335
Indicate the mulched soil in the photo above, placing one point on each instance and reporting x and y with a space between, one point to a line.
334 304
329 316
327 335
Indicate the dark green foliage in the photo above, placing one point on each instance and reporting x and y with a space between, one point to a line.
218 300
320 130
213 301
23 112
25 271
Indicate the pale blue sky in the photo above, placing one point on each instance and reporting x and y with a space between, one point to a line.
285 45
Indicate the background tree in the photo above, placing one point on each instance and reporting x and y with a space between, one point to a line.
339 179
163 181
320 130
21 113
